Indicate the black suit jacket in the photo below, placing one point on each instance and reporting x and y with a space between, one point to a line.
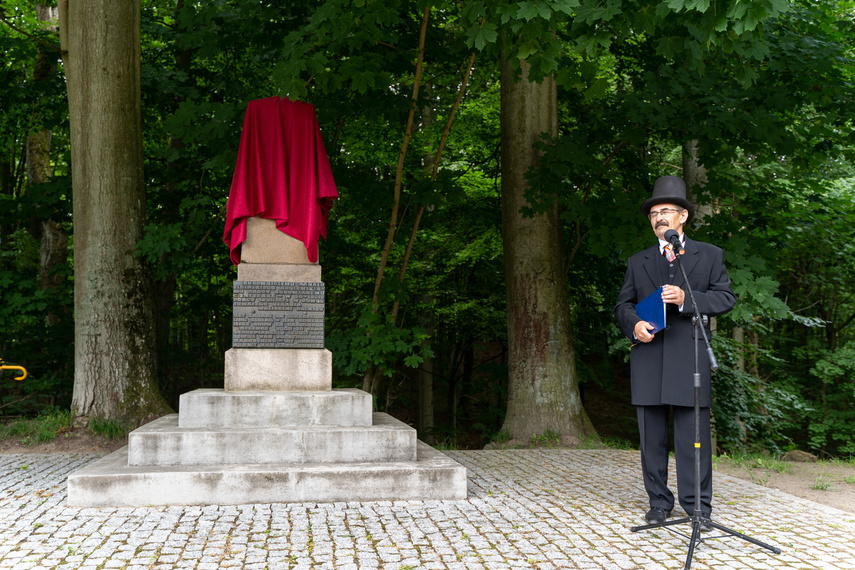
663 369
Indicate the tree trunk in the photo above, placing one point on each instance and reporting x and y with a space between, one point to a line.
739 337
543 389
425 376
115 363
53 240
695 177
752 366
425 384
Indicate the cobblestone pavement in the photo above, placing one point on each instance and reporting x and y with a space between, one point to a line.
526 509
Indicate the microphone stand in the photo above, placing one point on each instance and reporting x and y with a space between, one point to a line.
697 519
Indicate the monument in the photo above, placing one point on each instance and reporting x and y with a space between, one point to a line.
277 431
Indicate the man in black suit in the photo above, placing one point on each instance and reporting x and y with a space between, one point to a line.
662 364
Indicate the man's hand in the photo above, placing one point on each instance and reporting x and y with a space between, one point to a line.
674 295
642 331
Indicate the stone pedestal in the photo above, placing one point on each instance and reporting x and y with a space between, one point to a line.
266 244
278 369
277 432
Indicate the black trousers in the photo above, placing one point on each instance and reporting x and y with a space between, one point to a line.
653 432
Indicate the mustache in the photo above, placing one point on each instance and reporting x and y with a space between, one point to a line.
661 223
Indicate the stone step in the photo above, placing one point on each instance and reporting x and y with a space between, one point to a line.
163 442
111 482
210 407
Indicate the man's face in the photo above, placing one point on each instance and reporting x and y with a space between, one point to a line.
664 217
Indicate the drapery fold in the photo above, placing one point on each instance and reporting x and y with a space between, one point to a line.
282 173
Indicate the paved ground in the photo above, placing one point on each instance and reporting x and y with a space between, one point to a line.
526 509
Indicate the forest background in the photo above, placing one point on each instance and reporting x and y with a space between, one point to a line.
749 101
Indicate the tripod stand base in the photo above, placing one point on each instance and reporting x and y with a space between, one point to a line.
696 538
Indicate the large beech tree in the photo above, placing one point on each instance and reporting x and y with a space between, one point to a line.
115 360
543 389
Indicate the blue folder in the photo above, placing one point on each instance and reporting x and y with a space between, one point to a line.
652 310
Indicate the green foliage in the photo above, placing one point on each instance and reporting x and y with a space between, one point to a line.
832 422
803 228
160 240
108 428
690 31
355 46
749 412
45 351
637 81
41 429
756 290
378 342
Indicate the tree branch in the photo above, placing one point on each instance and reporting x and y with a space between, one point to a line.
845 323
48 45
172 277
433 175
399 171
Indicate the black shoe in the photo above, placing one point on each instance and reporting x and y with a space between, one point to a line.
656 515
705 525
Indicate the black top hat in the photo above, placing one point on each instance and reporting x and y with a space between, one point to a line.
669 190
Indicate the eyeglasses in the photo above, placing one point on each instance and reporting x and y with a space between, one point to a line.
663 212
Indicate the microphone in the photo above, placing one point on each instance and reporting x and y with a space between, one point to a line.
673 238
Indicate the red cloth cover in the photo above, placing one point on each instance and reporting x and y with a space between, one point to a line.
282 173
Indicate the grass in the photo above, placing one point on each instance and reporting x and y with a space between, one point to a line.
618 443
548 439
843 461
447 444
605 442
552 440
821 483
755 461
761 461
42 429
110 429
761 467
51 424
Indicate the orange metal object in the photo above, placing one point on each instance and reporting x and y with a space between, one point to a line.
10 367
